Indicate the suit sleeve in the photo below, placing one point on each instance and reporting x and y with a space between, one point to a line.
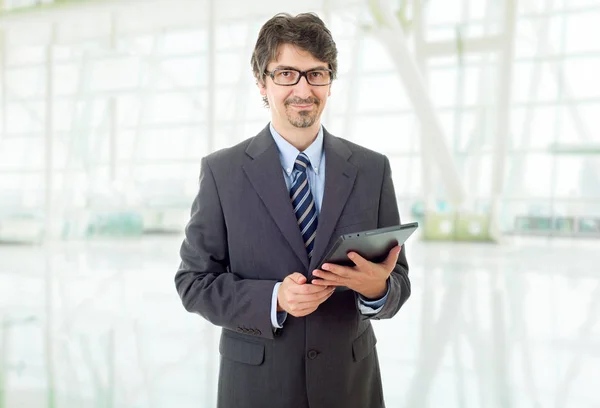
204 281
398 282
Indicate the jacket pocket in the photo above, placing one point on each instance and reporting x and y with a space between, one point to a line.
364 344
241 351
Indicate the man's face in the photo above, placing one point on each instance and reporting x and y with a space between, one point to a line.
299 105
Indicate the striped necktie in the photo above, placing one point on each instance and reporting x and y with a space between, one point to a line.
304 204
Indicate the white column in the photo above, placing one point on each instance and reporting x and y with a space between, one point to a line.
112 110
3 82
504 112
48 137
211 60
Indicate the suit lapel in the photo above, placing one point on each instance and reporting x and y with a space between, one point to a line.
339 180
266 176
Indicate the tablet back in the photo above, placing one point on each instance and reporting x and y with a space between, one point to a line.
373 245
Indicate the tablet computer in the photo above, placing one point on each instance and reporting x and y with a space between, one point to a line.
373 245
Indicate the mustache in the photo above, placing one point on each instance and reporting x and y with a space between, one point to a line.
299 101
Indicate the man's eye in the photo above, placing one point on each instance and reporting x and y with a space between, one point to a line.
316 74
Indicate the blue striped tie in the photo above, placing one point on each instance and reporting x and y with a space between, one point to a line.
304 204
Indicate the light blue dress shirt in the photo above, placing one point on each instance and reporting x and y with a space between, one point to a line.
316 181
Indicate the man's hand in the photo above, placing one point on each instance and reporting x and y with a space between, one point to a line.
367 278
298 298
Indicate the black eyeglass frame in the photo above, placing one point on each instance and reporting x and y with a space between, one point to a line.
301 74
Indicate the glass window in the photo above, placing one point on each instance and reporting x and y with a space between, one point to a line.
381 92
388 134
442 86
534 127
533 178
114 74
581 77
534 81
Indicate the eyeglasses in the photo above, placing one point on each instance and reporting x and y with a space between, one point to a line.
290 76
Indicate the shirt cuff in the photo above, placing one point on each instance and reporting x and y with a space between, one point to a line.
371 307
277 318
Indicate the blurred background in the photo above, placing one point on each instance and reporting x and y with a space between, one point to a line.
487 109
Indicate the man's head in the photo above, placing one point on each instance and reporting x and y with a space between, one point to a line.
294 62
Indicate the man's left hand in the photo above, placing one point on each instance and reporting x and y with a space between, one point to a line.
367 278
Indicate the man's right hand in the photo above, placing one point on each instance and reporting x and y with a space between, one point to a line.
299 298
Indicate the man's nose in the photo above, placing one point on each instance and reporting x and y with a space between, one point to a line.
302 89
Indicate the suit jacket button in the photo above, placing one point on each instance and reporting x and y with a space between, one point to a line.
312 354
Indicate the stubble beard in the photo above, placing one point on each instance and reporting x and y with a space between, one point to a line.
304 118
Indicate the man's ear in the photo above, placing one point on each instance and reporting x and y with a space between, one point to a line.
262 88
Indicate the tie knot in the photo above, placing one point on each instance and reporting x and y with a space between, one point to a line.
302 163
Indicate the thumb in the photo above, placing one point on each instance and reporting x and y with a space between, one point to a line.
298 278
393 256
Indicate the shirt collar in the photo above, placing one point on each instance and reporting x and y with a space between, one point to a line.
288 153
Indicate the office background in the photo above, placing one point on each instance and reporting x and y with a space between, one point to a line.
487 109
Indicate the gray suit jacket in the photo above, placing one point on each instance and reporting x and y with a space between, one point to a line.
243 237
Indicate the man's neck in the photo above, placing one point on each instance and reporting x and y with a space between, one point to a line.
300 138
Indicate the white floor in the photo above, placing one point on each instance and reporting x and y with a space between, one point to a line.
100 323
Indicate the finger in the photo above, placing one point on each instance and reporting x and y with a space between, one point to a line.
314 299
306 289
392 257
339 270
298 278
323 282
327 276
359 261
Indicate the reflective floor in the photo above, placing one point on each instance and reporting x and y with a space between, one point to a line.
99 324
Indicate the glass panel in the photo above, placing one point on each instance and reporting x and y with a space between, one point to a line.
581 77
235 34
25 55
449 11
26 82
388 134
533 33
232 67
534 127
374 56
406 174
533 178
173 108
115 74
580 27
184 42
381 92
533 82
177 72
24 117
442 86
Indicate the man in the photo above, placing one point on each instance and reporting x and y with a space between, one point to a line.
266 212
